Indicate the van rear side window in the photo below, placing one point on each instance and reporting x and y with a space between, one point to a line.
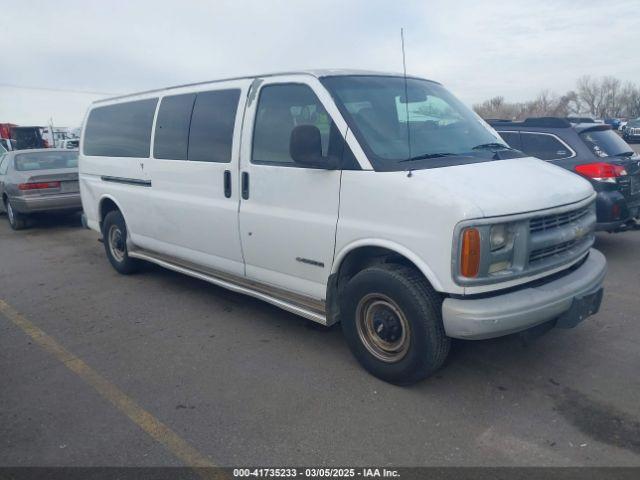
172 127
122 130
212 121
196 127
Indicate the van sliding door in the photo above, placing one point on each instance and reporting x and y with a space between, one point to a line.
193 170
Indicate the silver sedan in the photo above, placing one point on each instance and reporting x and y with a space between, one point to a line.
43 180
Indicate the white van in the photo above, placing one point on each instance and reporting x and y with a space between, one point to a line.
371 199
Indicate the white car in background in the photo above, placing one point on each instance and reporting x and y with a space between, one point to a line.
69 144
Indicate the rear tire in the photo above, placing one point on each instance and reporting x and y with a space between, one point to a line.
392 321
17 221
114 233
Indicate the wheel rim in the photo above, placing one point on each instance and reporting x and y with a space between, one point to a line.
383 327
12 219
117 244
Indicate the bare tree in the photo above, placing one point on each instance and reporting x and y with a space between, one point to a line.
548 104
590 94
604 97
495 107
611 101
545 104
630 95
569 104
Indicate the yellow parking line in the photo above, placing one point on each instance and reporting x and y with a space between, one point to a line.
147 422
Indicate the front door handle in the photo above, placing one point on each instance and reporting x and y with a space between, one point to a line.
245 185
227 183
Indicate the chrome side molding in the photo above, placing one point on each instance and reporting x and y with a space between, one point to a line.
306 307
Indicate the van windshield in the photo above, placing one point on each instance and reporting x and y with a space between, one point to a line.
396 123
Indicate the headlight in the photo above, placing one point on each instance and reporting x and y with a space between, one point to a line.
486 250
498 236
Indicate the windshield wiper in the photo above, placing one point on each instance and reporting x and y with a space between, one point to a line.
428 155
492 146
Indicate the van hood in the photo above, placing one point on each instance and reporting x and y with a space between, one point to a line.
506 187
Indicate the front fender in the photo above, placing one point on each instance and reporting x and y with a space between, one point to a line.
389 245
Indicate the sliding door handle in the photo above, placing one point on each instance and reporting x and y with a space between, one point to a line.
227 183
245 185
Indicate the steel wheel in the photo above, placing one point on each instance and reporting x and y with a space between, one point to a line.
117 243
383 327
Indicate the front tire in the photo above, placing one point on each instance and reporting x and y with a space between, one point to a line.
114 234
17 221
392 321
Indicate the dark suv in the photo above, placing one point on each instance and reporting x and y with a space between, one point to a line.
631 132
592 150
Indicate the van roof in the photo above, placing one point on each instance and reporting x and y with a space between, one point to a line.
319 73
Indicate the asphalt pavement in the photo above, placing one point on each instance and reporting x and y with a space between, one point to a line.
159 369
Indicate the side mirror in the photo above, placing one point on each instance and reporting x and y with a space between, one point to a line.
305 147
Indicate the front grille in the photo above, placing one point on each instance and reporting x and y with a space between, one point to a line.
549 222
538 244
558 238
559 249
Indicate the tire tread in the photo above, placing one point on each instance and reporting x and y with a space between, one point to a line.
128 265
428 303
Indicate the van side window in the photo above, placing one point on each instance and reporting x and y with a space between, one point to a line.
544 147
121 130
172 127
212 122
280 109
4 164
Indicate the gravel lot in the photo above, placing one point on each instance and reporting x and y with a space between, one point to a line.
243 383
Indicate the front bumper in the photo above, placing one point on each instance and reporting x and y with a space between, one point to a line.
46 203
614 210
488 317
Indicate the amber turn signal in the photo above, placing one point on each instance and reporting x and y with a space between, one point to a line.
470 258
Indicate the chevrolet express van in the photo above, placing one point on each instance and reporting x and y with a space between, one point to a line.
374 200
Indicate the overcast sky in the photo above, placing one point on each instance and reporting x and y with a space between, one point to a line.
477 49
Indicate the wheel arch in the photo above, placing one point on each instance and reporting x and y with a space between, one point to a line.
363 253
106 204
